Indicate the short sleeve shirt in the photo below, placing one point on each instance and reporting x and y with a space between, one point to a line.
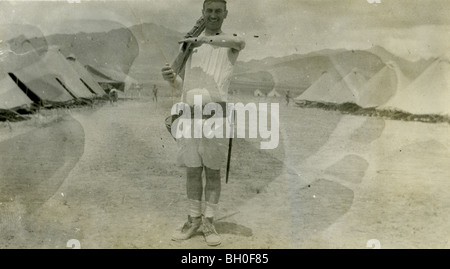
208 73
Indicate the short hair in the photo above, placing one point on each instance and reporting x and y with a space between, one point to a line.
208 1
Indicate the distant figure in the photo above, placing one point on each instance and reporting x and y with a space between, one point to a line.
139 88
113 96
288 97
155 93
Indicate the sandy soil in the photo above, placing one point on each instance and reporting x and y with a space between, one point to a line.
107 177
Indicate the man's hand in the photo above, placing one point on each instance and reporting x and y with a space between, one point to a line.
168 74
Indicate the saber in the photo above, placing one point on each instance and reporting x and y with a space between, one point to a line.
230 144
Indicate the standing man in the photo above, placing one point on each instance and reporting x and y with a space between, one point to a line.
288 97
207 74
155 93
113 95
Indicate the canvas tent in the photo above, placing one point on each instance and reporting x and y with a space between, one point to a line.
52 79
85 77
11 96
321 88
427 94
331 87
41 86
273 93
108 76
103 80
42 83
355 82
340 94
402 80
258 93
59 64
382 86
31 75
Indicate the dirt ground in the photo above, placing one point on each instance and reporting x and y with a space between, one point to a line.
106 176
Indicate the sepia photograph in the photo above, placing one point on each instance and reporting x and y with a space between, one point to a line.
224 124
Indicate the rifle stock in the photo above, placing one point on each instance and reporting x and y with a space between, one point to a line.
186 49
180 61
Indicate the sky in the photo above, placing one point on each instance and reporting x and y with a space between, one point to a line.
412 29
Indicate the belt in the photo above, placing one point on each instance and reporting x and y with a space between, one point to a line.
223 105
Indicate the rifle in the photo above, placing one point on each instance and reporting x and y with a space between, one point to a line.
180 61
186 49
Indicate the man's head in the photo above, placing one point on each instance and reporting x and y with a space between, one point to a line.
210 1
214 12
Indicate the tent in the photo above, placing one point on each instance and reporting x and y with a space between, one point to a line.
402 80
321 88
52 79
340 94
11 96
429 93
332 88
31 75
59 64
85 77
258 93
41 82
103 80
273 93
355 82
41 86
382 86
108 76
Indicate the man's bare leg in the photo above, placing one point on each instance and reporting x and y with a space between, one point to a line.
213 186
194 189
194 184
212 197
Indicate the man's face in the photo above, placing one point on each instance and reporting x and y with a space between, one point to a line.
214 14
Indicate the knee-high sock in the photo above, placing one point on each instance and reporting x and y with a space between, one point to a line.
195 208
211 210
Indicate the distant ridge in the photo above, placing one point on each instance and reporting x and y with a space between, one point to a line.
141 51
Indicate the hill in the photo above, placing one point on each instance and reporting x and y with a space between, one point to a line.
298 72
158 46
143 49
410 69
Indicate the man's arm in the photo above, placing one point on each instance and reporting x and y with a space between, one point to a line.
224 40
170 76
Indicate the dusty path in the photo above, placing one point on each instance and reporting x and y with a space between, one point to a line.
107 177
125 190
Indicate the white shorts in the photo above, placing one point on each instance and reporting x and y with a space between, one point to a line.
199 152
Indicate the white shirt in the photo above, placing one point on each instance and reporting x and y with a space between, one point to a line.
208 73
